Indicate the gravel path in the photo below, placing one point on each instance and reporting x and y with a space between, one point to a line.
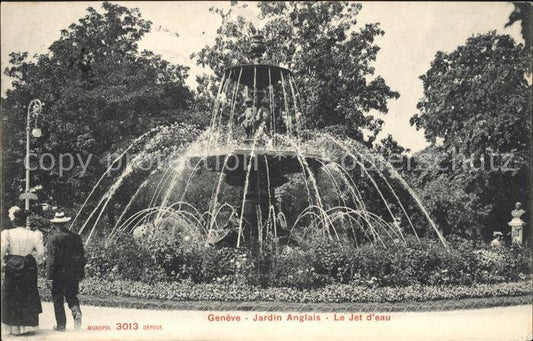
100 323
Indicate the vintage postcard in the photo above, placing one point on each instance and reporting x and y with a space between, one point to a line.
266 170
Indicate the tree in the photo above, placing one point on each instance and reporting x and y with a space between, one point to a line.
389 146
99 91
477 106
450 195
331 59
522 12
476 98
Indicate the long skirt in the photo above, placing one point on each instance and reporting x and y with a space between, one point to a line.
21 304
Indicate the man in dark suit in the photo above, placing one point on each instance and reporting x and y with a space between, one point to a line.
65 264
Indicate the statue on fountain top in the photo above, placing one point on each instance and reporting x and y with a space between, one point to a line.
517 224
248 118
257 114
263 114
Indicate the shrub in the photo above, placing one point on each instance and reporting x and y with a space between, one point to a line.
332 261
318 264
430 263
294 268
228 265
124 258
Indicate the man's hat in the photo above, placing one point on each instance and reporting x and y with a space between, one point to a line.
60 217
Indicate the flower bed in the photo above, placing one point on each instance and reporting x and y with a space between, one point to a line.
187 291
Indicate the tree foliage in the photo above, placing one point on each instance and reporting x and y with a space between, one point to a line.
477 98
522 12
388 146
330 55
100 91
476 111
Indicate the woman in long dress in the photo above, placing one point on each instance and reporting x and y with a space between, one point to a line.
21 250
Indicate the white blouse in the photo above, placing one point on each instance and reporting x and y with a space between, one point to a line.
21 241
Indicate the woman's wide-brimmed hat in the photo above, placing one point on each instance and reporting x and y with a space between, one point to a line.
17 212
12 211
497 233
60 217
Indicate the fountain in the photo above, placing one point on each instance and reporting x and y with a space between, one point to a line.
257 153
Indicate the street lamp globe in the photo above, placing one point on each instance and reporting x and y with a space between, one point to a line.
36 132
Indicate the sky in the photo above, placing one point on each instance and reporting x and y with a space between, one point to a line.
414 32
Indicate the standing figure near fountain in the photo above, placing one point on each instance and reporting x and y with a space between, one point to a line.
517 224
497 241
21 304
65 263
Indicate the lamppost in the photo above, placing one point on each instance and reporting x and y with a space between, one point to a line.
34 110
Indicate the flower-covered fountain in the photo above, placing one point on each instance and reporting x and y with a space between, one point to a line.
257 150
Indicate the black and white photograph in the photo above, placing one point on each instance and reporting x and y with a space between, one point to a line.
266 170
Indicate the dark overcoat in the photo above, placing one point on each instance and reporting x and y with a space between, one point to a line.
65 260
